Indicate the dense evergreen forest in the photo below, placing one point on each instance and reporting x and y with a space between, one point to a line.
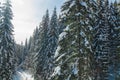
82 43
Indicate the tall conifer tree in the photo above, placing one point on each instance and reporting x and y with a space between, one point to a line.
72 54
42 54
52 45
6 43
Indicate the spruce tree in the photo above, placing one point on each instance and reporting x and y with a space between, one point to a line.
25 49
42 53
114 22
37 46
36 36
104 42
32 49
72 54
52 45
61 24
19 50
6 43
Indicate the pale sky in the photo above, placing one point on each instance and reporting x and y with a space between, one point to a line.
28 14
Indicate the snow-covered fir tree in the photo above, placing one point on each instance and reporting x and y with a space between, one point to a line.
19 50
7 51
37 39
105 38
73 52
114 22
33 48
37 46
52 43
26 49
42 53
83 44
61 24
101 43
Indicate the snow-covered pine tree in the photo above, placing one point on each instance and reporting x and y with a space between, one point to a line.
37 46
33 48
33 41
25 49
61 24
7 50
30 42
72 54
38 43
102 41
19 50
53 33
118 6
36 36
42 53
89 20
114 22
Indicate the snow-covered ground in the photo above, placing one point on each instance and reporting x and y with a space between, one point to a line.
21 75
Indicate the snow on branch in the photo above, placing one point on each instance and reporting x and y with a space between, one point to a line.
84 4
56 71
57 51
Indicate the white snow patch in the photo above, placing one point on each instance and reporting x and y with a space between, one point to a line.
68 77
23 76
57 51
56 71
75 71
83 4
82 33
86 42
73 42
60 57
62 35
78 14
67 28
72 4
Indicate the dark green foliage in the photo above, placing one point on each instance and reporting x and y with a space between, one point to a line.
74 50
52 45
106 41
83 44
42 57
19 50
7 51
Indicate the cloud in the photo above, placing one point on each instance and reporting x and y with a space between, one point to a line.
24 19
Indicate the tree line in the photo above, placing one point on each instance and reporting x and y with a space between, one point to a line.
82 43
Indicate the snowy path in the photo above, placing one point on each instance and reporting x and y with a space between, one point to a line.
20 75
